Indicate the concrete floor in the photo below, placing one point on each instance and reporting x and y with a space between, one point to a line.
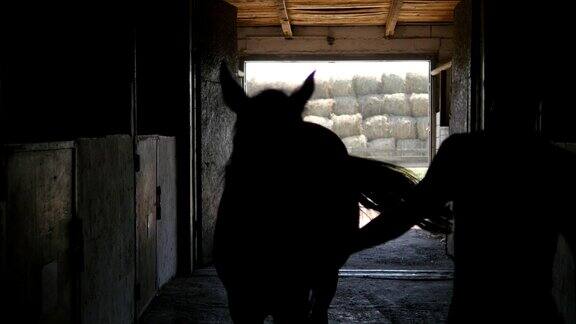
365 298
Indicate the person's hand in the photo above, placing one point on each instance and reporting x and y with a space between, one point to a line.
438 221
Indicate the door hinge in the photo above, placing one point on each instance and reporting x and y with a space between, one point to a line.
158 202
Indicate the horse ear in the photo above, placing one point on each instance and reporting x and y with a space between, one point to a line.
234 95
303 94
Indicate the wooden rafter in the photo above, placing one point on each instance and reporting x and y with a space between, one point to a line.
254 13
440 68
284 19
392 18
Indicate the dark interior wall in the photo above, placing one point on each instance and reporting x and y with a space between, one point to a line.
218 42
65 69
528 70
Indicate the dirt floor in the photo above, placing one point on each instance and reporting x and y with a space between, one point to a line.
404 281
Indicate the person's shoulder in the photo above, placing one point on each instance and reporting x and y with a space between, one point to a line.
462 140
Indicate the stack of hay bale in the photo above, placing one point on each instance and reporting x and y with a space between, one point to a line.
386 118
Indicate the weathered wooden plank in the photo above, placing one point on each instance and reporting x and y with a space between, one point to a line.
343 13
38 191
392 17
563 282
284 19
105 200
146 149
167 225
440 68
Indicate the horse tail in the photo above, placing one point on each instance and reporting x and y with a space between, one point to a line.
381 185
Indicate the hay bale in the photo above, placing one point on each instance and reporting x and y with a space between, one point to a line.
419 104
402 127
321 89
345 105
366 85
347 125
355 142
411 145
319 107
392 83
322 121
417 83
377 127
254 87
382 144
371 105
396 104
285 87
341 88
423 127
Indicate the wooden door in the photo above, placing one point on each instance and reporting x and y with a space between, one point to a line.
146 149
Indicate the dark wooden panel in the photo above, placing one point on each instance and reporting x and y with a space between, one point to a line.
146 222
167 224
564 286
38 209
105 200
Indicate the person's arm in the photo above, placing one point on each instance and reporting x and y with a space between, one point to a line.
425 206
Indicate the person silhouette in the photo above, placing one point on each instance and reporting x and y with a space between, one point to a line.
509 191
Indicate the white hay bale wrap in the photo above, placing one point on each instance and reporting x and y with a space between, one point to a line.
341 88
355 142
366 85
345 105
396 104
423 127
403 127
371 105
322 121
377 127
319 107
347 125
411 145
392 83
417 83
321 90
382 144
419 104
286 87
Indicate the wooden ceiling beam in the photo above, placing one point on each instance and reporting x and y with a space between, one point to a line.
392 18
284 19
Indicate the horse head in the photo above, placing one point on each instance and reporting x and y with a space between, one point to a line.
269 107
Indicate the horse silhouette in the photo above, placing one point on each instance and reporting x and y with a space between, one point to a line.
289 214
511 195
